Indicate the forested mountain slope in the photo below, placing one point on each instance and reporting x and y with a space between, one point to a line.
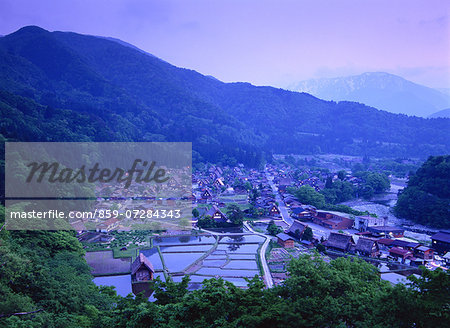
99 89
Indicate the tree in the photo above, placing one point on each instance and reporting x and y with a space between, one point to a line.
206 222
317 291
341 175
431 291
254 194
320 248
273 229
425 199
367 192
308 234
339 191
195 213
422 207
308 195
252 211
235 215
378 181
330 195
169 292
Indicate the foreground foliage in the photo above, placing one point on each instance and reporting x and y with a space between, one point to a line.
46 272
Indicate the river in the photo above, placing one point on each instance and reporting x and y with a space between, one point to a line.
382 205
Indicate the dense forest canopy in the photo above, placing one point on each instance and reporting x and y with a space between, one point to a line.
65 87
426 199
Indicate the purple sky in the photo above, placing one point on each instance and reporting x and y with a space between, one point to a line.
263 42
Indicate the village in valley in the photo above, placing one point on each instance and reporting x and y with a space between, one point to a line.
223 164
250 222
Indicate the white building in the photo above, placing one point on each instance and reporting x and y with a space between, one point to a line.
363 222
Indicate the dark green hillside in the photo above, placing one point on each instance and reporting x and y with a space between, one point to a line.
130 95
426 199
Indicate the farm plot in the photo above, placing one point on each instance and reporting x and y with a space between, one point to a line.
103 263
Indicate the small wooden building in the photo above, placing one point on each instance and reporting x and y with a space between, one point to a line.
333 221
385 243
424 252
367 247
400 254
339 242
446 258
142 269
273 210
441 242
285 240
387 231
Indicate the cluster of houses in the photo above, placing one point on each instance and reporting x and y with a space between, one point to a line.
379 243
329 219
113 200
217 187
383 242
286 176
412 253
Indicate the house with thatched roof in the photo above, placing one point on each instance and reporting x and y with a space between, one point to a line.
367 247
142 269
296 229
215 213
218 183
274 210
206 194
340 242
387 231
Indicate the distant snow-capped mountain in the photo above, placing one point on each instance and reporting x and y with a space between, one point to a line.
380 90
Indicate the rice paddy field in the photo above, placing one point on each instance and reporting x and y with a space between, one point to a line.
232 257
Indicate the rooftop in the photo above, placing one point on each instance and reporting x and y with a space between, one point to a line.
282 236
442 236
141 260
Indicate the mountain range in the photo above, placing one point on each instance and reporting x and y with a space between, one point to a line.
380 90
441 113
63 86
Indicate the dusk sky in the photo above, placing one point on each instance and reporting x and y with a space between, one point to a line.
263 42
